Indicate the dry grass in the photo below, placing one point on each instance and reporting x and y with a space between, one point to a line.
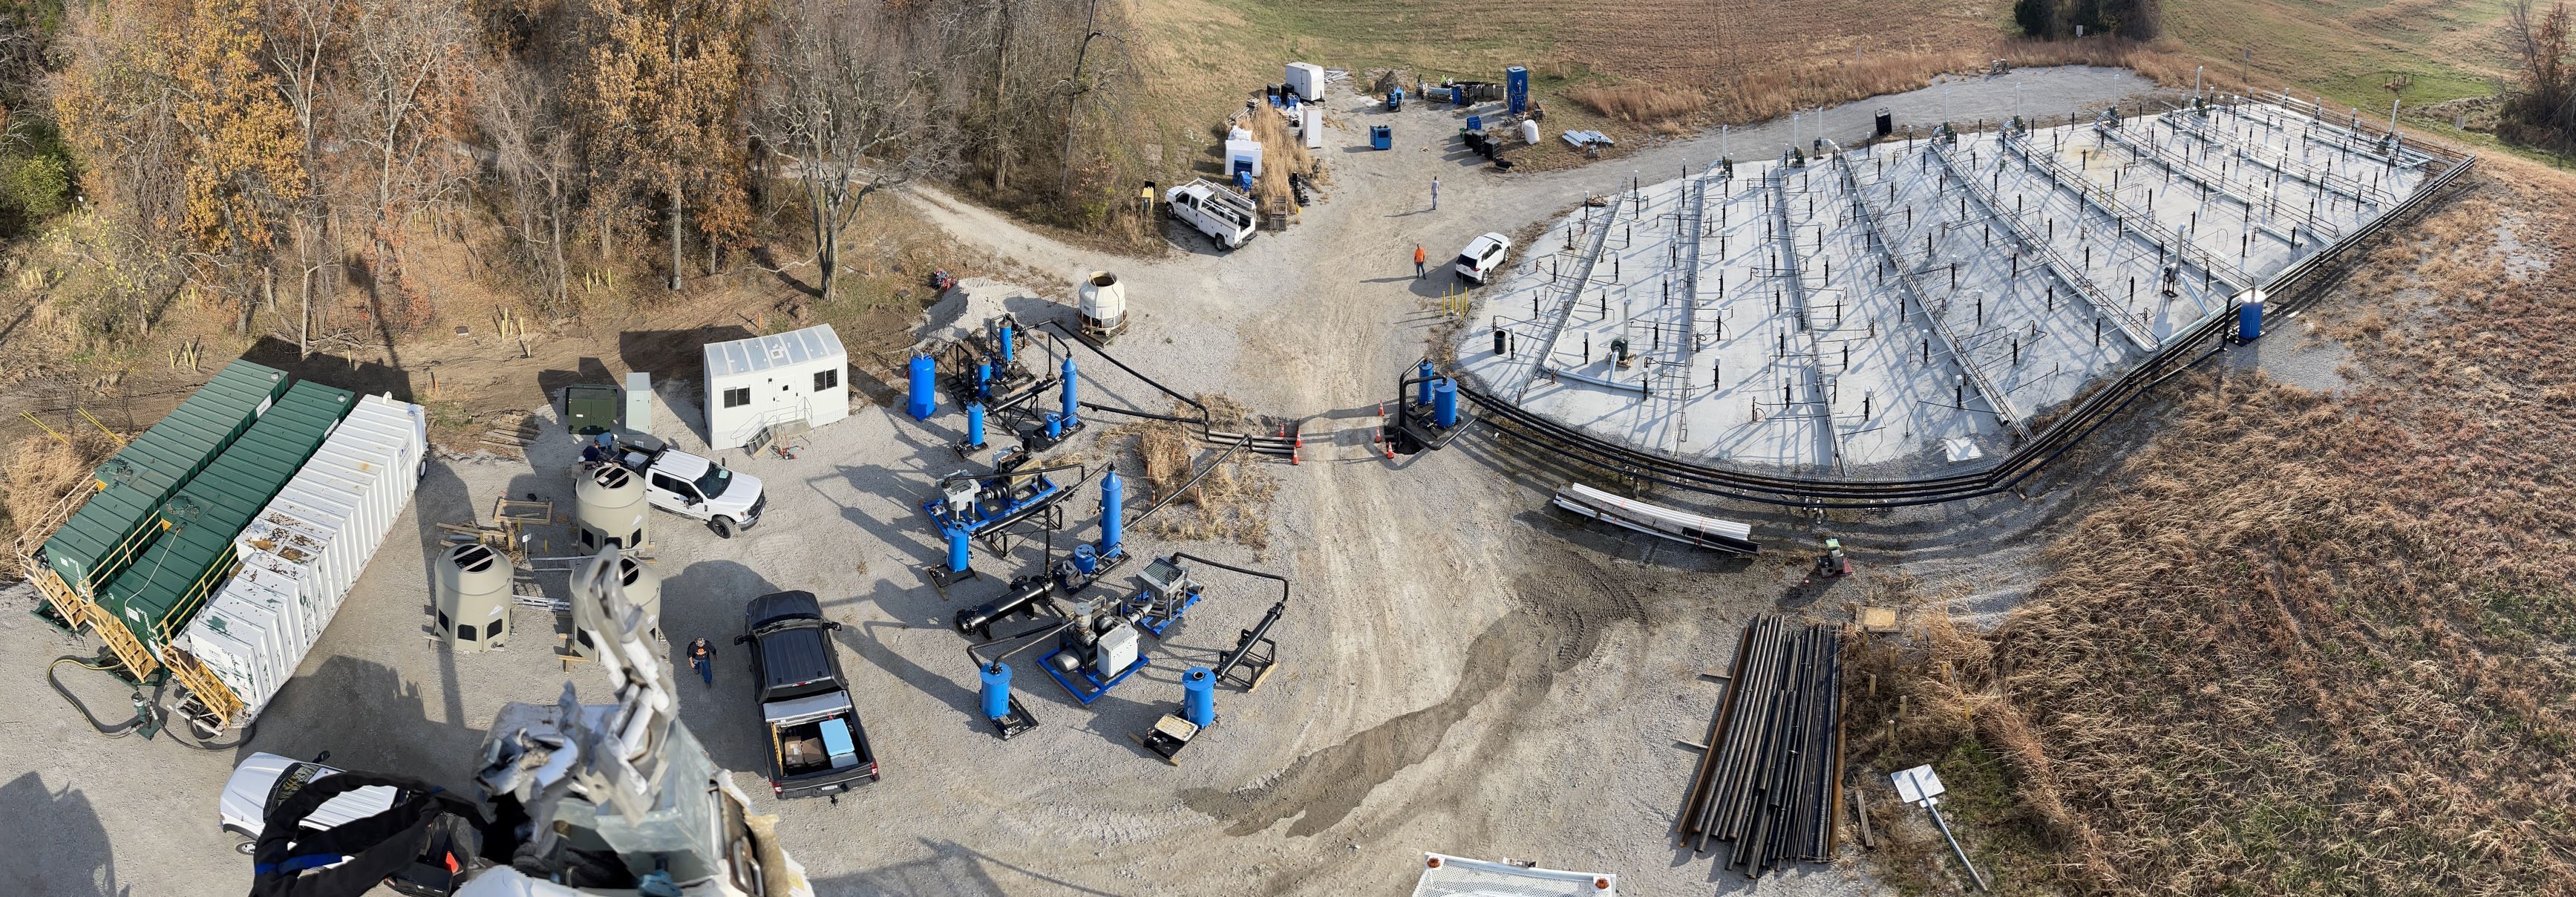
1759 93
38 473
1231 503
1281 153
2311 644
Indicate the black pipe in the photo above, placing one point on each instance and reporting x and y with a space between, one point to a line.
1149 381
1032 637
116 731
1251 637
1017 598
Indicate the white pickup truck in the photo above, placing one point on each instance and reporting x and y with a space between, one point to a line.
728 500
1214 209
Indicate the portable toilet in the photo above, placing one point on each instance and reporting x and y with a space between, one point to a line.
1516 89
642 588
473 597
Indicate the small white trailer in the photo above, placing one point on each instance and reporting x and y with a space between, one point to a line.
1306 79
1658 521
1214 209
781 384
302 553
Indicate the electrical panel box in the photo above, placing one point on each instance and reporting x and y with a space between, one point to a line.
1117 651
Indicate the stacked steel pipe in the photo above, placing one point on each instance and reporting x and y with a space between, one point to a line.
1771 778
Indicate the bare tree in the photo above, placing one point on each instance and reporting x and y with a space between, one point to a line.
532 154
408 70
303 36
848 112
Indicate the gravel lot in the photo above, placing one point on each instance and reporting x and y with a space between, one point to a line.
1462 671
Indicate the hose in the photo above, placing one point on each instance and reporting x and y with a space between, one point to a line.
104 666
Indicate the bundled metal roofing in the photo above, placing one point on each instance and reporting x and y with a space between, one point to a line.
760 353
98 539
170 580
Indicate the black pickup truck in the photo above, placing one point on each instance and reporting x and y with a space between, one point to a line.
816 746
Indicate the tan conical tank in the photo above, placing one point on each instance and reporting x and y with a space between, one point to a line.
609 509
472 597
642 586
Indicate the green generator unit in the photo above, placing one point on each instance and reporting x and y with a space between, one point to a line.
170 580
106 534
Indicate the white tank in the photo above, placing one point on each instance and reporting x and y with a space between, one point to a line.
1529 131
1104 303
473 597
642 587
609 508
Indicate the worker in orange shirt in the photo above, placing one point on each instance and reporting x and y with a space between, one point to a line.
1418 259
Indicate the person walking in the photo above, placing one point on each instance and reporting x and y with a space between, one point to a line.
1435 194
702 657
1418 259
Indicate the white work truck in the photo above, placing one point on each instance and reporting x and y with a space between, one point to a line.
1227 217
728 500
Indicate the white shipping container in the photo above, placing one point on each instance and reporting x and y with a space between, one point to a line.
302 553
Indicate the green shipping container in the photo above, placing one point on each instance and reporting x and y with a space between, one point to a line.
100 538
170 581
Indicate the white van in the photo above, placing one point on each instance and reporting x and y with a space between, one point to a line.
1215 210
1483 256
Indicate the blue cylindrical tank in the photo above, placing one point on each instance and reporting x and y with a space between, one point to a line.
1054 425
1086 559
974 423
1457 95
997 689
1069 416
1444 402
1198 697
2249 321
1422 390
983 378
957 550
925 388
1007 348
1113 512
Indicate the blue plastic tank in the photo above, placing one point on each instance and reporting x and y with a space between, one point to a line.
1457 95
1198 697
1113 512
997 689
1444 402
1475 122
957 550
925 388
1070 418
1422 390
1086 559
974 423
2249 321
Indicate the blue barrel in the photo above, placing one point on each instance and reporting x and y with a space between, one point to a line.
1069 416
1006 344
1198 697
1086 559
997 689
1422 390
974 423
1444 402
2249 321
957 550
1113 513
925 388
983 378
1457 95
